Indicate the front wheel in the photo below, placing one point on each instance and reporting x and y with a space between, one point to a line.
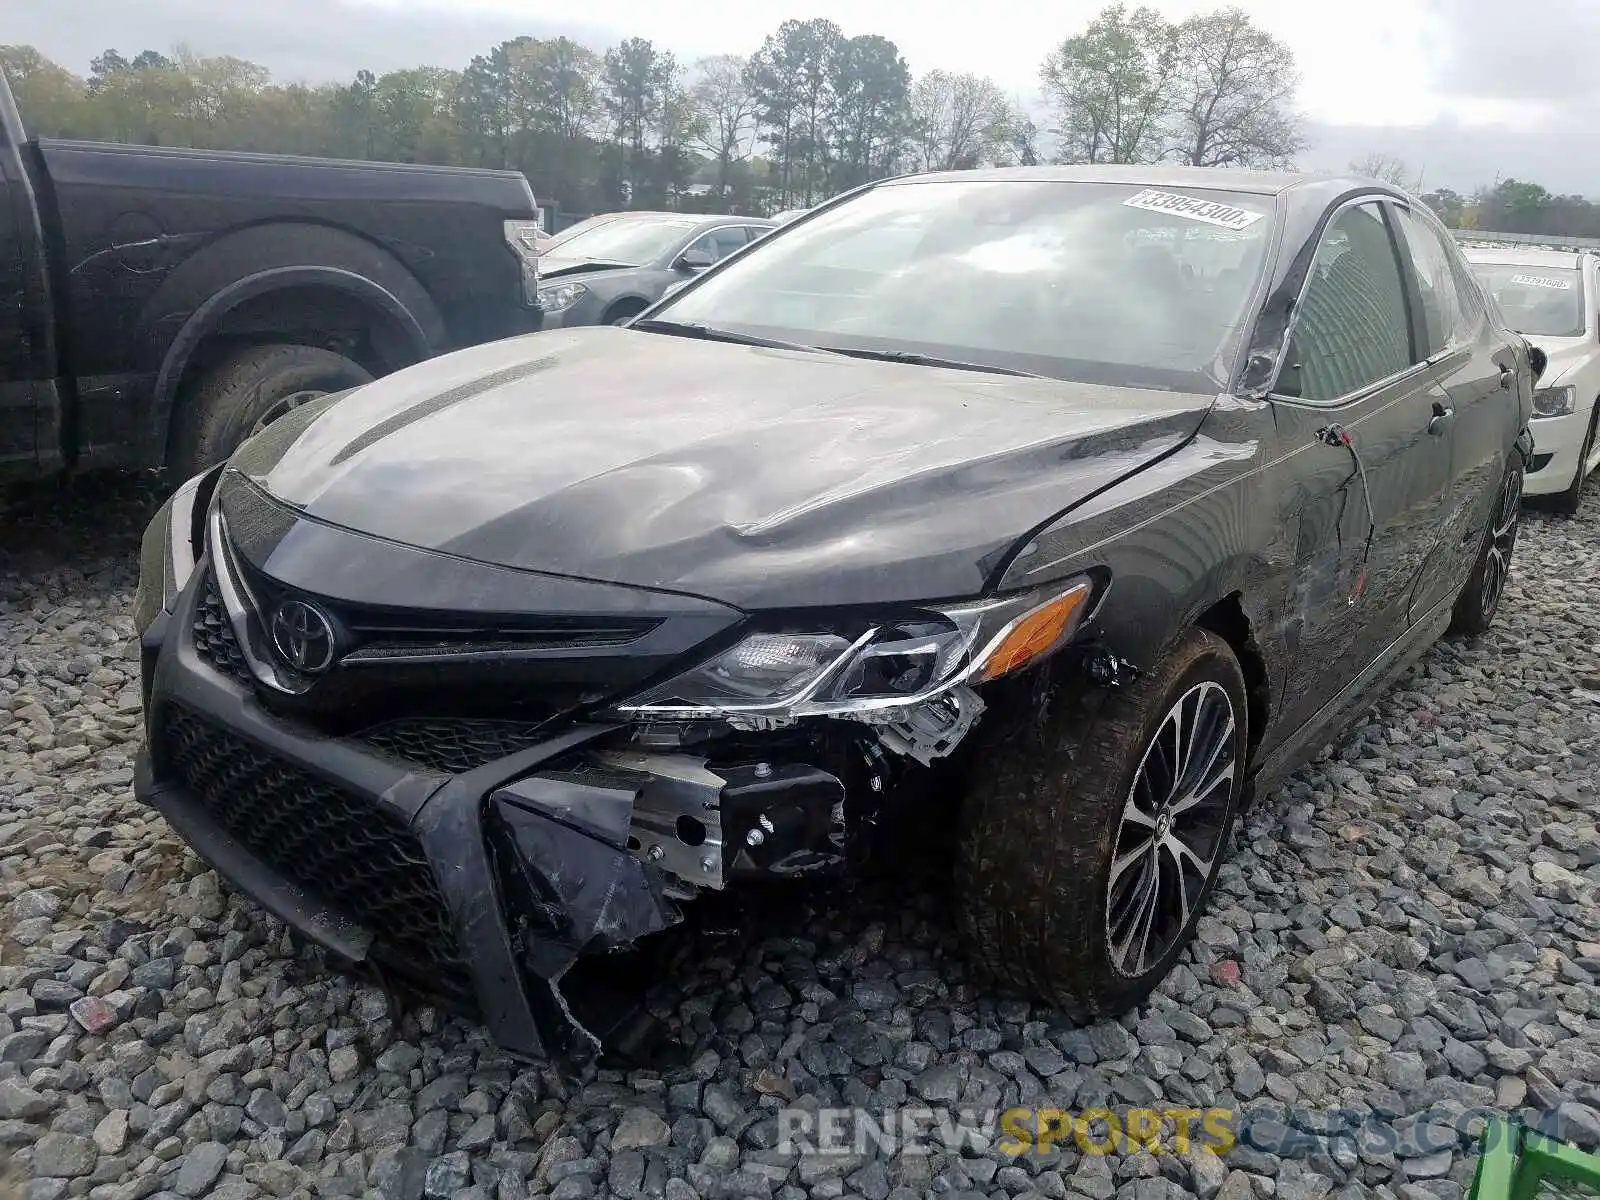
1480 599
1089 848
1569 501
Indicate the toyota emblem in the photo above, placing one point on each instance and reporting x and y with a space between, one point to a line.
302 636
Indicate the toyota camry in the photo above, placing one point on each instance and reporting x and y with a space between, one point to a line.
1071 506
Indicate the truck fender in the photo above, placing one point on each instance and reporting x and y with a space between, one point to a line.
248 263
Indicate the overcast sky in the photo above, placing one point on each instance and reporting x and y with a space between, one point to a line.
1462 89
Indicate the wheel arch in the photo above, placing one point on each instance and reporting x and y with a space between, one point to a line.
243 271
630 303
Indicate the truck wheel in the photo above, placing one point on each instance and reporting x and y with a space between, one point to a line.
1480 599
1088 850
246 392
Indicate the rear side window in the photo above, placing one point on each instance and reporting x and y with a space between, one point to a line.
1444 309
1353 326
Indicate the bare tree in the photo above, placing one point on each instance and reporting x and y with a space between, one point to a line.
960 121
1389 169
1234 101
726 105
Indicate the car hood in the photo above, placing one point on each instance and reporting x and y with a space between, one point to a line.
759 477
553 266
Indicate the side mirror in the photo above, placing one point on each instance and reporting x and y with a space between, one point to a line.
695 260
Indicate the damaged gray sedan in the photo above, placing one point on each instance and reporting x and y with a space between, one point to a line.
1070 507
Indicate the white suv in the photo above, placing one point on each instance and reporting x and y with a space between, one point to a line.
1550 296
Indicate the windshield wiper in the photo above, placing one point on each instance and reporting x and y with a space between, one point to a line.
928 360
711 333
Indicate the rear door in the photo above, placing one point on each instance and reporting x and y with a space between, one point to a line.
1472 374
30 413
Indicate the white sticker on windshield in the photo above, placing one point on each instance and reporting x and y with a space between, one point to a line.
1544 281
1229 216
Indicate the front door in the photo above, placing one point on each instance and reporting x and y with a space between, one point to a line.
1366 465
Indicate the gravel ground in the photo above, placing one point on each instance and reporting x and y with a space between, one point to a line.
1408 931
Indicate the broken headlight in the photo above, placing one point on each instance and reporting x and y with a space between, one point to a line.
886 665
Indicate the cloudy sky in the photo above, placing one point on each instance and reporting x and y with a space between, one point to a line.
1463 90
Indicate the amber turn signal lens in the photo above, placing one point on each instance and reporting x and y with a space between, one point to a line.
1039 632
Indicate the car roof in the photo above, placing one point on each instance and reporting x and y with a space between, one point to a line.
1517 256
688 218
1226 179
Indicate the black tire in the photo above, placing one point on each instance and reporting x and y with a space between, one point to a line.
1480 598
1569 501
623 311
246 391
1043 824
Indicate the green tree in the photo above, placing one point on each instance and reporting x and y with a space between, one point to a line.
1113 86
792 76
635 79
871 92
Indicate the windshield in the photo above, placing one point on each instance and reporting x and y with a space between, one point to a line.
633 240
1097 282
1543 301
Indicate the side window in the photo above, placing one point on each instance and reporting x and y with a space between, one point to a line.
720 243
1352 329
756 232
1444 311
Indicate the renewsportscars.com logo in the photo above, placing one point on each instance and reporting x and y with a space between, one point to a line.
1169 1129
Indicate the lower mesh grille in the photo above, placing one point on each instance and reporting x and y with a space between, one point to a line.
451 745
213 633
357 856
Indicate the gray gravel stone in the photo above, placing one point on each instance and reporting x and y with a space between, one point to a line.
1405 925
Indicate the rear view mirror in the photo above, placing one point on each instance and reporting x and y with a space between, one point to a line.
695 260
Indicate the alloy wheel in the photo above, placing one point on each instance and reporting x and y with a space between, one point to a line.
1173 825
284 405
1502 539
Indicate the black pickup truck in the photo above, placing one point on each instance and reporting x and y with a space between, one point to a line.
158 305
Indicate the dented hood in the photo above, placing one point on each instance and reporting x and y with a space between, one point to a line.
759 477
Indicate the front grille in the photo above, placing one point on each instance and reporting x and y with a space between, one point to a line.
357 856
213 633
451 745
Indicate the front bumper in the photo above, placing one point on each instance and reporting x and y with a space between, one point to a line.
481 883
1558 443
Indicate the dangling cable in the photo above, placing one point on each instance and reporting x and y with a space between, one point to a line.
1338 435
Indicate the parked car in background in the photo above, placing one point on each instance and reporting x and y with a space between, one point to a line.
1069 507
1552 296
610 272
789 214
157 305
576 228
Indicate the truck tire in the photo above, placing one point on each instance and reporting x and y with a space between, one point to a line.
245 392
1087 851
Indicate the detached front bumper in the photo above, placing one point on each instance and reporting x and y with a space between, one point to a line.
481 886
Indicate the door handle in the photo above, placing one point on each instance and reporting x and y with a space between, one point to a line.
1443 414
